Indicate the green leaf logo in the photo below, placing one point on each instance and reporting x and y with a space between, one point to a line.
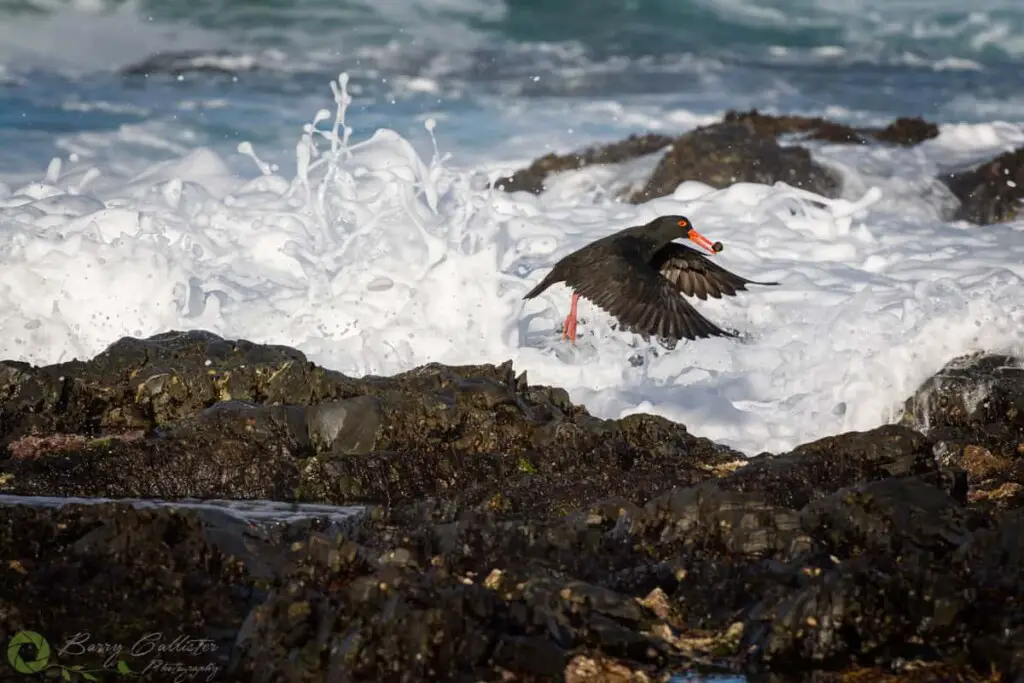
122 667
28 666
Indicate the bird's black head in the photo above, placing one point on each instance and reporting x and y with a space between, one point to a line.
674 227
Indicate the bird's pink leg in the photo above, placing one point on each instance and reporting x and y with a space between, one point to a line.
569 328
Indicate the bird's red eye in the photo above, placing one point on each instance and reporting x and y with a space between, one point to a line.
683 223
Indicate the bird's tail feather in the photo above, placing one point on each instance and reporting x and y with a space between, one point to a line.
550 279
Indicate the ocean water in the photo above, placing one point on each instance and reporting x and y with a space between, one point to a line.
505 79
227 194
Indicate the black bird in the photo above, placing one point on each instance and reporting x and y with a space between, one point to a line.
638 274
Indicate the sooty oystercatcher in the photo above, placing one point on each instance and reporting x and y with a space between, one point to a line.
638 276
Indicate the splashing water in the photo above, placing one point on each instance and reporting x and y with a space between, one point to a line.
372 260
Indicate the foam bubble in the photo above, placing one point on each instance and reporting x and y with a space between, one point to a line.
374 259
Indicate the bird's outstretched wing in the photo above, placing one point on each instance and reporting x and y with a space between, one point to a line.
640 298
696 275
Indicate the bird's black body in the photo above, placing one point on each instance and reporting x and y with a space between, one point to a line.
638 275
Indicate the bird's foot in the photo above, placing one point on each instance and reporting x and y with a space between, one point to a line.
569 328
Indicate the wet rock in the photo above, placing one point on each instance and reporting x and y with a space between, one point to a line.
194 415
973 409
981 464
901 512
979 396
888 591
719 155
389 625
86 575
993 563
531 178
817 469
743 147
346 427
507 534
907 131
902 131
727 153
811 128
221 62
601 670
908 671
883 572
991 192
203 465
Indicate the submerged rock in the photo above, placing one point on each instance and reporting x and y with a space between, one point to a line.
991 192
508 535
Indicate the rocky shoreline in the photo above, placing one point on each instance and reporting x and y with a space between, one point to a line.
508 535
746 147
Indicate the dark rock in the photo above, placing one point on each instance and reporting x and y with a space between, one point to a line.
193 415
347 427
810 128
907 131
531 178
91 574
973 409
221 62
891 590
901 514
727 153
390 626
979 397
719 155
742 148
196 465
902 131
519 538
991 192
817 469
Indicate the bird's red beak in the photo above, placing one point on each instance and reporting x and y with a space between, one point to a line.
713 247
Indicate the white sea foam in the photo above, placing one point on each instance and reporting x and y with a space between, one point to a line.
373 259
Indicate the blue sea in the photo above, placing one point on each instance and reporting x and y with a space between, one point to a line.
505 79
